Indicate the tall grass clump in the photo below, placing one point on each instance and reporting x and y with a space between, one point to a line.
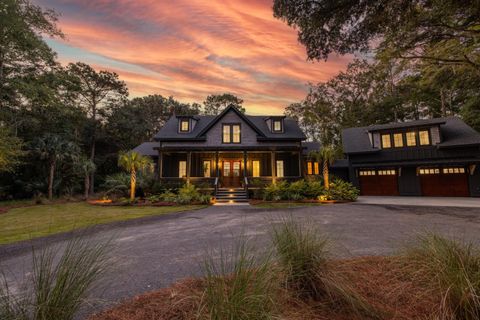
59 284
239 285
452 268
303 257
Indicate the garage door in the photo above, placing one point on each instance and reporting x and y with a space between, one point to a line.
381 182
444 182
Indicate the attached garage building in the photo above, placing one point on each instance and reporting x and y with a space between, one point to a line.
435 157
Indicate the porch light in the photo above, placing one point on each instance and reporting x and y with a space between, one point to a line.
230 195
230 190
230 201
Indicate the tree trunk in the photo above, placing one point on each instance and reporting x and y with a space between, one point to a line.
50 180
133 180
326 181
94 138
442 100
86 185
92 174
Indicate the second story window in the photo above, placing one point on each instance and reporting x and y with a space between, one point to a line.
231 133
411 138
184 125
424 138
277 126
398 140
386 141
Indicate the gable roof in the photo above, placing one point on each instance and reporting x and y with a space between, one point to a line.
169 131
147 149
454 131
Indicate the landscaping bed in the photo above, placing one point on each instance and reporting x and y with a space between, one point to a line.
381 280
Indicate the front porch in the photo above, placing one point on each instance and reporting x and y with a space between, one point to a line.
229 169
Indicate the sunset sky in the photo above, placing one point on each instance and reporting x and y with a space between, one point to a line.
192 48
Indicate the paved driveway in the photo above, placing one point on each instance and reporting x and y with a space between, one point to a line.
154 252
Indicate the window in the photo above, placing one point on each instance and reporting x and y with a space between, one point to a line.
309 167
315 166
386 142
424 138
423 171
386 172
231 133
367 172
182 169
411 139
226 168
277 125
453 170
256 168
184 125
280 171
206 168
398 140
236 169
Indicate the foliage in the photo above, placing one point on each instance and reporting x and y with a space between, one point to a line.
341 190
10 151
303 258
189 193
239 285
57 289
132 162
297 190
215 104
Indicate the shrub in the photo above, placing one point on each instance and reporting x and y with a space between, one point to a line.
313 189
239 285
296 190
119 183
451 268
58 288
168 196
303 258
187 194
341 190
271 193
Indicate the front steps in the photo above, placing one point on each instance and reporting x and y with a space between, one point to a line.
231 196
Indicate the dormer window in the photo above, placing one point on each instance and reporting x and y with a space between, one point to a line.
231 133
424 137
386 141
277 125
184 125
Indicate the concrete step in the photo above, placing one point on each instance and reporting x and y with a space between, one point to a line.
231 200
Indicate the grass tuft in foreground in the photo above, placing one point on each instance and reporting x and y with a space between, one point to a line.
239 285
57 289
304 260
452 268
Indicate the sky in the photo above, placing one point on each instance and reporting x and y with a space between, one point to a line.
190 49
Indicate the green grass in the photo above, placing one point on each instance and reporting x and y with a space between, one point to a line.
283 205
42 220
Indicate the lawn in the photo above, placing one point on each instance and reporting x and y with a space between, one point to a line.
42 220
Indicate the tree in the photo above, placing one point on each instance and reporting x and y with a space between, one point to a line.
326 155
439 31
215 104
95 89
54 148
23 50
10 151
132 162
86 167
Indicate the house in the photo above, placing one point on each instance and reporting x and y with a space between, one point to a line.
436 157
230 151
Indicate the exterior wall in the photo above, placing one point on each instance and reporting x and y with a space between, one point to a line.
474 182
435 135
409 182
376 140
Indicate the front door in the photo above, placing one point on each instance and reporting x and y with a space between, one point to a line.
231 173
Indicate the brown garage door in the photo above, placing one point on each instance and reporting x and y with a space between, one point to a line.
444 182
381 182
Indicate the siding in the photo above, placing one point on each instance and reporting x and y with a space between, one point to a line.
435 133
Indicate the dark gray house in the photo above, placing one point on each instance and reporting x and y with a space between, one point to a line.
231 150
437 157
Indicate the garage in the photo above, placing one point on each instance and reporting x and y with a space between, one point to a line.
444 182
378 182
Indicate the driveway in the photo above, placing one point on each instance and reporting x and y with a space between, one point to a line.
155 252
423 201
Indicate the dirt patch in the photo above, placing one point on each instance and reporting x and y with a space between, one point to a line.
382 281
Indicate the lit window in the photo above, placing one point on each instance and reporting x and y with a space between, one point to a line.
424 138
386 142
429 171
280 171
226 168
315 166
411 139
309 168
398 140
184 125
231 133
236 133
277 125
206 168
453 170
386 172
236 168
256 168
367 172
182 169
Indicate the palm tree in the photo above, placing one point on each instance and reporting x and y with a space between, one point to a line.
326 155
54 148
87 167
132 161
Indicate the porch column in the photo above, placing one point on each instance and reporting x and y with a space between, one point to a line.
300 164
217 169
189 162
244 164
274 169
160 164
